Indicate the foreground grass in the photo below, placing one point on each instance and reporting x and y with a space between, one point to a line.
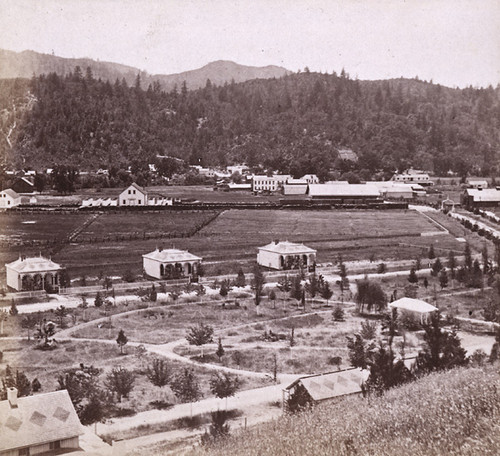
452 413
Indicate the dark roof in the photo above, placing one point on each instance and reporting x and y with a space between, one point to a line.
38 419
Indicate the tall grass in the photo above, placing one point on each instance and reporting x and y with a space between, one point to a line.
450 413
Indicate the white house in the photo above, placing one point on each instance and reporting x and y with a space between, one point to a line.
310 178
413 177
416 307
171 264
43 423
9 198
32 273
269 183
284 255
133 195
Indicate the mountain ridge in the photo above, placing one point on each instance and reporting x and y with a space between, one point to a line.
26 63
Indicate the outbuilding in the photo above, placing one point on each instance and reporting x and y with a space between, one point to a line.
33 273
344 193
328 386
478 197
171 264
43 423
284 255
415 307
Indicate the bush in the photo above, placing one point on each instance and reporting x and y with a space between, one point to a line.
368 330
409 321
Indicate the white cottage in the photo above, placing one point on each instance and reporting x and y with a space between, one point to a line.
133 195
416 307
284 255
171 264
9 198
33 273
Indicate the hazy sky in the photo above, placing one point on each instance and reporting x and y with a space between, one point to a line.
453 42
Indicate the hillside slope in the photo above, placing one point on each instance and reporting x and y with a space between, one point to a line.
294 124
449 413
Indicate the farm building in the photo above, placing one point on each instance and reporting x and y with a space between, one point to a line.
284 255
133 195
9 198
477 184
477 197
416 307
43 423
394 190
33 273
344 193
328 386
171 264
269 183
295 187
413 177
23 185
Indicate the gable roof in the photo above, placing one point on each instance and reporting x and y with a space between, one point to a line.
286 247
171 256
11 193
33 264
413 305
333 384
38 419
137 187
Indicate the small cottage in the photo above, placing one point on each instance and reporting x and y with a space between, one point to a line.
33 273
43 423
133 195
171 264
9 198
284 255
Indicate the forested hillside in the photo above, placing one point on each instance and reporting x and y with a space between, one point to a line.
294 124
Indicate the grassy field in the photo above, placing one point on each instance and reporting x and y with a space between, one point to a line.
452 413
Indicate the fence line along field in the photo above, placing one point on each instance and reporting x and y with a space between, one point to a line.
115 242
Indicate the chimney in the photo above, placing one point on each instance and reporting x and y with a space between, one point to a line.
12 397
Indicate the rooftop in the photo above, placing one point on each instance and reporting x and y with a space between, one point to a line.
33 264
11 193
171 256
338 190
413 305
38 419
287 247
487 194
333 384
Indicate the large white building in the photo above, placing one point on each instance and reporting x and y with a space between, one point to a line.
283 255
133 195
9 198
33 273
413 177
171 264
43 423
269 183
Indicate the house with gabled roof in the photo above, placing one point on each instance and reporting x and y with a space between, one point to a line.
33 273
9 198
133 195
284 255
43 423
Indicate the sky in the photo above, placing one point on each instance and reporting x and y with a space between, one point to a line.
451 42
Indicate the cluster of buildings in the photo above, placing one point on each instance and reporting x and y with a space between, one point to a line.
40 273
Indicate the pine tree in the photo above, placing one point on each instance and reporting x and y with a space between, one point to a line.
240 279
431 253
443 279
220 350
413 276
121 340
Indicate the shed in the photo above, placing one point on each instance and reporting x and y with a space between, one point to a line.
478 197
9 198
331 385
38 424
284 255
416 307
171 264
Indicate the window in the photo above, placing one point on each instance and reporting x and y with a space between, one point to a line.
55 445
140 201
124 201
24 452
129 192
